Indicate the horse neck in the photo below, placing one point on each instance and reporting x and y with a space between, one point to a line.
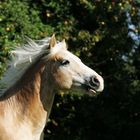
40 88
47 91
30 98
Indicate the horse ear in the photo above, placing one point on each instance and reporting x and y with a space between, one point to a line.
53 41
64 44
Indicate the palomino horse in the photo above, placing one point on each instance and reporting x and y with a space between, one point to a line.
28 87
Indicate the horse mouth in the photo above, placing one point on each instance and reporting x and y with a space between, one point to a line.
90 89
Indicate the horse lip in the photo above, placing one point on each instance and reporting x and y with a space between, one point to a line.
90 88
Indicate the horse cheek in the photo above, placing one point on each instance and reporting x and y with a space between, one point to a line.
63 80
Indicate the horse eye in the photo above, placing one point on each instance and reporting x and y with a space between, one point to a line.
65 62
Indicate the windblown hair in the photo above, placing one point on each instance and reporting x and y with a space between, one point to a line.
22 57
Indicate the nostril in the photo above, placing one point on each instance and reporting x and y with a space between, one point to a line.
95 81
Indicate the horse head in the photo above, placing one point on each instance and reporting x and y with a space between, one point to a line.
66 71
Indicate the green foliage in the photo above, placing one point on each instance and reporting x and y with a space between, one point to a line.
18 19
97 31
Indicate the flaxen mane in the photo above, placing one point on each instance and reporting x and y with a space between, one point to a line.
22 58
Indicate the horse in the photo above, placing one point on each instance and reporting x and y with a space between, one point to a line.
37 70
